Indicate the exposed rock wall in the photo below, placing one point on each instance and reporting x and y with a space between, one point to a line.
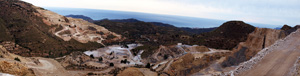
256 41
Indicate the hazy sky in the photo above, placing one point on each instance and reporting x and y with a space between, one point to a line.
276 12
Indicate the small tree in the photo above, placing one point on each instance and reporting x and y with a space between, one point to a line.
125 46
92 56
166 56
17 59
100 59
90 73
125 60
122 61
148 65
111 64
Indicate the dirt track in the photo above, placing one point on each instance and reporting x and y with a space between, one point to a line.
49 67
279 62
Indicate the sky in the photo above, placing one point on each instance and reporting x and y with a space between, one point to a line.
274 12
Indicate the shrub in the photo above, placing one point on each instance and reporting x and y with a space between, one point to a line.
100 59
92 56
148 65
111 64
17 59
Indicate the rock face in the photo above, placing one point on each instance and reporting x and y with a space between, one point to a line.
285 27
289 29
15 68
256 41
74 59
48 34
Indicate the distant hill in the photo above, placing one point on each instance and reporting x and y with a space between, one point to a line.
198 30
178 21
131 20
81 17
277 28
227 36
288 29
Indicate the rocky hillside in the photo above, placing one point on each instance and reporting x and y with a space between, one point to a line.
231 33
142 32
228 35
256 41
48 34
131 20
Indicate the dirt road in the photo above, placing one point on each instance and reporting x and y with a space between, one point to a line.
49 67
280 61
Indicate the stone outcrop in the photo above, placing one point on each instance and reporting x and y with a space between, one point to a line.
256 41
191 63
8 64
75 58
14 68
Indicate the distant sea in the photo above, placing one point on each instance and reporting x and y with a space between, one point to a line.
178 21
